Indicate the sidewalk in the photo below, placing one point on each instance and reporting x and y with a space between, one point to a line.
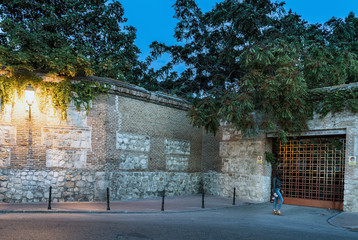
171 205
345 220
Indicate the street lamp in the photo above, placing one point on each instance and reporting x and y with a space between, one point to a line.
29 96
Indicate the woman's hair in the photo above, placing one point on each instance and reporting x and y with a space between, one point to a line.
278 174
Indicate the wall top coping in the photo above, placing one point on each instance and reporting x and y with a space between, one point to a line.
133 91
315 133
125 89
339 87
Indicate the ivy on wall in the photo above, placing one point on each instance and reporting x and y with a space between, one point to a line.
325 100
270 158
58 94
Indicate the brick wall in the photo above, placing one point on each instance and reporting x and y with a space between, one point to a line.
151 147
134 141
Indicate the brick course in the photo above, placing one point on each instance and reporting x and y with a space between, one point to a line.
134 141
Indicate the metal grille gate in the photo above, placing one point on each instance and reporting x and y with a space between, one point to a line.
313 171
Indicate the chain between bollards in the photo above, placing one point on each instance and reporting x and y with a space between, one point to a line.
233 198
163 196
49 198
108 208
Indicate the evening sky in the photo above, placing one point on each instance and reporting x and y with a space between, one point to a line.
154 20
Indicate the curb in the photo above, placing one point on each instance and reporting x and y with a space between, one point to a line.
111 212
331 221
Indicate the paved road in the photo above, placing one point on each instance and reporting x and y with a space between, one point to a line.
242 222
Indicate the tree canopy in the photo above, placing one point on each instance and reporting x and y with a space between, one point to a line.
65 38
68 37
252 64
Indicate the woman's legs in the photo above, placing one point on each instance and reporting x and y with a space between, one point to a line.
275 203
278 192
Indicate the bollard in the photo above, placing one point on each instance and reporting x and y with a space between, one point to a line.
108 208
49 198
233 199
202 200
163 195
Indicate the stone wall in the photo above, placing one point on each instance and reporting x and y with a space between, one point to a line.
240 168
346 123
155 137
33 185
134 185
133 141
151 147
139 143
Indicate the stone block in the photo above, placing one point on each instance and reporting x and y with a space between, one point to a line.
101 184
177 163
80 184
90 179
178 147
76 178
100 176
132 142
29 195
130 160
7 135
70 184
4 178
38 195
65 159
62 137
18 196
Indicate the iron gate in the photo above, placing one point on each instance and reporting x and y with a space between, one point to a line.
313 171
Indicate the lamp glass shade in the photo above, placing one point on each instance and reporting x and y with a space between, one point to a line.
29 94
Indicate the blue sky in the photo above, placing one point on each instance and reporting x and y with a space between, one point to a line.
154 20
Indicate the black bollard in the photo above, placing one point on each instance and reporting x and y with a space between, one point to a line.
108 200
233 199
163 195
202 200
49 198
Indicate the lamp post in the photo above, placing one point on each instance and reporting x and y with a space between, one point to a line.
29 96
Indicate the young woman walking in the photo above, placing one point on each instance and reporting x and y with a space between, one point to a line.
277 184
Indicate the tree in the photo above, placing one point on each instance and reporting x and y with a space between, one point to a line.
252 65
68 37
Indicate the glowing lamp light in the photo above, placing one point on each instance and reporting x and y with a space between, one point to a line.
29 94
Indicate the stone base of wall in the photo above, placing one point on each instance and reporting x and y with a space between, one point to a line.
248 187
21 186
136 185
350 203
